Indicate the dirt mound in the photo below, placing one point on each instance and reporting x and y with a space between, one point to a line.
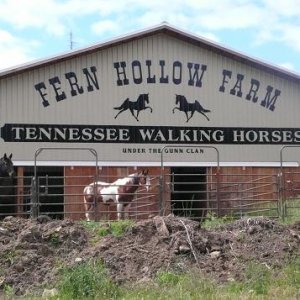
33 250
179 244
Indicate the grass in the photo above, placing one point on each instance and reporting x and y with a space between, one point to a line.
212 220
292 209
89 280
101 229
288 212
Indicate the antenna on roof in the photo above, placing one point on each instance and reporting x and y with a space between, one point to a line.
71 41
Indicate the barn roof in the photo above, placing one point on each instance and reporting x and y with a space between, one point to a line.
162 28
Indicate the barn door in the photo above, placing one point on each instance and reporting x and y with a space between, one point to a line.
50 190
188 191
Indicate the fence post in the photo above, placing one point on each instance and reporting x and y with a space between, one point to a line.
218 191
34 199
161 192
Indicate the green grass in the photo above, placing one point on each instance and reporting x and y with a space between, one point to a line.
101 229
88 280
292 209
259 283
288 212
212 220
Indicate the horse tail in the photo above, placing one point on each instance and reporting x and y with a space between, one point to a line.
123 105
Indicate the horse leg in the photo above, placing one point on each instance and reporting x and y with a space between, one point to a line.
132 112
88 207
119 112
149 108
175 109
120 211
192 113
204 115
187 116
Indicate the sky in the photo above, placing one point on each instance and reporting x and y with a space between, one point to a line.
30 30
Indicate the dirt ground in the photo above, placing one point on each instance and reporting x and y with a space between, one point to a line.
32 251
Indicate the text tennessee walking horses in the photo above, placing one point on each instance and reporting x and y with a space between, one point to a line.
186 107
121 192
138 105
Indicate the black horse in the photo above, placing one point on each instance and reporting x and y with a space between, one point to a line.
186 107
6 185
138 105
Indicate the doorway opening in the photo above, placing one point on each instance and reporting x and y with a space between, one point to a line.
50 184
189 191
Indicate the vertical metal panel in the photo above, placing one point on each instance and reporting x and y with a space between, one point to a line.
21 102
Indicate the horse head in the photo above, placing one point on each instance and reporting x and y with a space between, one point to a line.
144 98
6 166
144 179
180 99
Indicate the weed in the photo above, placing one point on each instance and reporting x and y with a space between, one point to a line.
116 228
8 290
119 228
212 220
54 239
167 278
87 280
9 256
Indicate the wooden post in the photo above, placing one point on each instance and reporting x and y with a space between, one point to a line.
20 191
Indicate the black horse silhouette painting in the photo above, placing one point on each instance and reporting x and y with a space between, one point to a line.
186 107
138 105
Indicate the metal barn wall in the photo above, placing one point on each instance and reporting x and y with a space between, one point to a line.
252 112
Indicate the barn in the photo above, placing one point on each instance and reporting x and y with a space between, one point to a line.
217 130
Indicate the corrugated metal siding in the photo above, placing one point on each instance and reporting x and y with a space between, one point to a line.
21 103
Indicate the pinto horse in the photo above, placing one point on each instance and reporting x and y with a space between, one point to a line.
6 183
121 192
186 107
138 105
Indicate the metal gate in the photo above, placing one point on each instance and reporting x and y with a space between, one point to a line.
185 192
190 191
289 188
201 192
37 193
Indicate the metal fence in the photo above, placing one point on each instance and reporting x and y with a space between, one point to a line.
195 194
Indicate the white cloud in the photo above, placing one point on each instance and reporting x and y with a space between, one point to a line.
14 51
287 65
272 21
55 16
32 14
105 26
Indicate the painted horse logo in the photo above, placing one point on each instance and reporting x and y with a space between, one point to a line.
138 105
186 107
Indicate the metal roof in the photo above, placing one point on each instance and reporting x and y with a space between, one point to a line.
161 28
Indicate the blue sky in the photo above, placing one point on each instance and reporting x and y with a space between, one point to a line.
268 30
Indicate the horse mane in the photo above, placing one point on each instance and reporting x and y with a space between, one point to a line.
181 98
143 97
